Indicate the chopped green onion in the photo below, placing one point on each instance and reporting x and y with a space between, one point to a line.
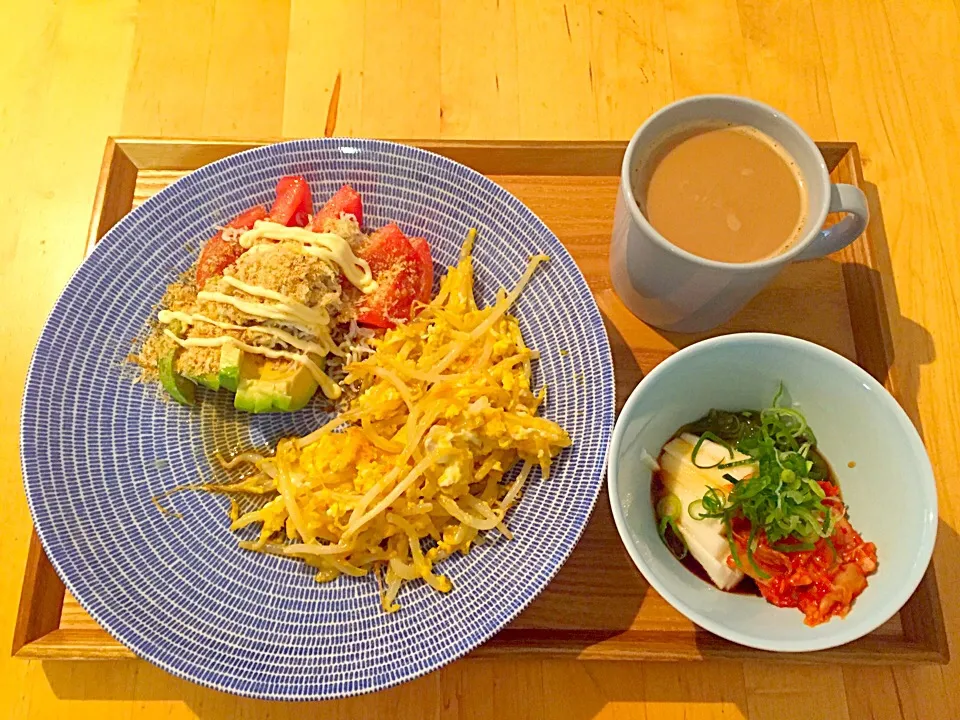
776 398
733 551
669 506
715 438
735 463
760 573
667 522
783 499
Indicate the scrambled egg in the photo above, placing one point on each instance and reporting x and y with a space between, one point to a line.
445 410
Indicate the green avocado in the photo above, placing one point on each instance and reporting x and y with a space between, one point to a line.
179 387
209 380
273 386
231 357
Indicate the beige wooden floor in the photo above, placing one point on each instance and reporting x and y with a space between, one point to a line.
881 72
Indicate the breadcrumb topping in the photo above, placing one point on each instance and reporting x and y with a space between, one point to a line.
275 267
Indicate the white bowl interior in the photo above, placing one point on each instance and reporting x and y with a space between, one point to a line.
890 492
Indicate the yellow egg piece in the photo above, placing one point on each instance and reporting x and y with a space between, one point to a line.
444 411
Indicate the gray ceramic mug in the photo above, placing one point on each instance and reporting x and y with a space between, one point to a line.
673 289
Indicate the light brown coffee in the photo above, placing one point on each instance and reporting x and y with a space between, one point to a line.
723 192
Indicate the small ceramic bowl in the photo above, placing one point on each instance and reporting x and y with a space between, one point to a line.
873 448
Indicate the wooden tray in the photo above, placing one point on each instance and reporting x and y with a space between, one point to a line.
598 606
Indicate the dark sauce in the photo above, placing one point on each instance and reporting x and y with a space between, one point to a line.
747 586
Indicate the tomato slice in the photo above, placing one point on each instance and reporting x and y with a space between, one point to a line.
389 306
345 200
387 247
219 253
399 273
246 219
293 205
422 249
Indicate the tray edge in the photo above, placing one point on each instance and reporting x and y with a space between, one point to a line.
125 157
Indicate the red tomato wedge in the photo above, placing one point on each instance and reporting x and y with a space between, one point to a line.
398 270
218 253
345 200
293 205
387 247
422 249
246 219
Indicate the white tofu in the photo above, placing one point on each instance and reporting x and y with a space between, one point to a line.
723 576
705 539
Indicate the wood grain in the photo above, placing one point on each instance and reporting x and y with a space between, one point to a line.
41 599
157 98
115 192
491 109
315 65
226 112
408 109
881 72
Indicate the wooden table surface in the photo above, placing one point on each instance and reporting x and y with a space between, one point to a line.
881 72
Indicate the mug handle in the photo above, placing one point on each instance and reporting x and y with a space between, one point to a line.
845 199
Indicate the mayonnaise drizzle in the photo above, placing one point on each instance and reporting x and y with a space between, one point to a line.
167 316
316 315
327 246
271 311
313 320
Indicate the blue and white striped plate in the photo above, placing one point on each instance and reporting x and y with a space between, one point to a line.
97 447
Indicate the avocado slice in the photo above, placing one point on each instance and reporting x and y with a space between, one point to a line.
231 358
210 380
273 385
228 374
179 387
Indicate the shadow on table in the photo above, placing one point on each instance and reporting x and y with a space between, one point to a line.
627 370
912 344
515 689
598 592
476 687
138 681
799 301
540 688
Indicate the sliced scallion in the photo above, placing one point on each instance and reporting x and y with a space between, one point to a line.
783 499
